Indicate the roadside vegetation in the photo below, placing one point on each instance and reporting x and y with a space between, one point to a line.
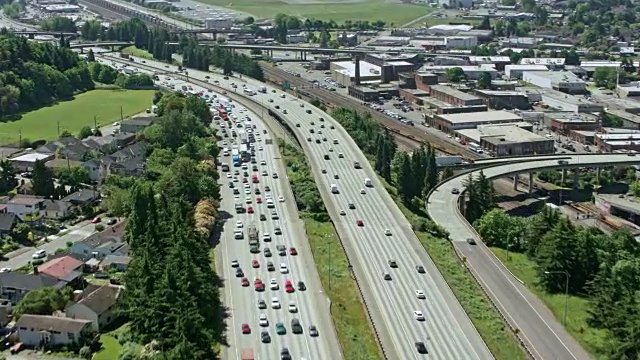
394 168
347 309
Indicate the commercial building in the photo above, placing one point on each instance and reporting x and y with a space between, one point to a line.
566 122
453 96
447 29
583 136
564 81
629 90
611 142
218 23
508 140
364 93
454 122
449 61
499 62
565 102
381 59
516 71
344 72
504 100
434 106
550 63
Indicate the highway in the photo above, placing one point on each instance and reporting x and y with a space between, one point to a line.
539 330
447 332
312 305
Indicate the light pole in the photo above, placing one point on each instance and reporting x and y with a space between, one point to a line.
566 292
329 236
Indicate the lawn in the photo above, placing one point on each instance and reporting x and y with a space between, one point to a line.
110 348
134 51
337 10
105 105
523 268
347 310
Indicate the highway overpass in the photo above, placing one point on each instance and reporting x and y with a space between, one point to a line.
99 44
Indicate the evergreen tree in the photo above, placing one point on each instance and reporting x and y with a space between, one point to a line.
91 57
405 178
8 179
42 179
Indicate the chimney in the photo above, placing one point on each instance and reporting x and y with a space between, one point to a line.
357 77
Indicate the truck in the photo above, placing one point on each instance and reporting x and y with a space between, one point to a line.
263 89
247 354
334 189
254 241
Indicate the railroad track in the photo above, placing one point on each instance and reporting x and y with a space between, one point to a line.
332 99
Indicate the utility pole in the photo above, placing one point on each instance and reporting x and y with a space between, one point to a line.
58 128
95 122
20 137
121 114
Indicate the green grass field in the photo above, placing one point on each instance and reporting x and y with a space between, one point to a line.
337 10
42 124
110 348
524 269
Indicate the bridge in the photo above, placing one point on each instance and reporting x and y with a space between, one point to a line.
82 46
149 19
303 50
32 34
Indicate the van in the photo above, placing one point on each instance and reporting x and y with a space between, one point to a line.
334 188
335 141
367 182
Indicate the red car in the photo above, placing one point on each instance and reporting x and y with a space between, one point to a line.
246 329
250 210
359 223
259 285
288 283
259 200
244 180
244 282
289 289
255 264
96 220
293 251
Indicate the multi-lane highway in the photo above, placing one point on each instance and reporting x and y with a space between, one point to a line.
444 328
306 303
542 334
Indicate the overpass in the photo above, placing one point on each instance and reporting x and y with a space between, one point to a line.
146 17
81 46
32 33
528 316
301 49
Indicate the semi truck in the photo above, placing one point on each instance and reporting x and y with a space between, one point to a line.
254 241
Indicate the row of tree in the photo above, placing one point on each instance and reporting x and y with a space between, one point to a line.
604 268
416 173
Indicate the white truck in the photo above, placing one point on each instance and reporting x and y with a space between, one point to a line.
334 188
367 182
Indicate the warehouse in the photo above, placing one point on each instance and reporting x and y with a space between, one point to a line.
505 100
566 122
453 122
515 71
344 72
453 96
611 142
564 81
550 63
565 102
508 140
470 72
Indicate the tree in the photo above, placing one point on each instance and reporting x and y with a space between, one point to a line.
42 301
405 180
85 132
484 80
572 58
8 179
91 57
42 179
455 75
606 77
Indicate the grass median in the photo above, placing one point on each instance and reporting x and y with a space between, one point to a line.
347 310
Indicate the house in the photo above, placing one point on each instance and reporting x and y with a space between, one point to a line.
82 197
27 208
55 209
128 161
97 307
105 243
15 285
47 330
66 148
110 143
116 262
93 168
136 124
65 268
7 221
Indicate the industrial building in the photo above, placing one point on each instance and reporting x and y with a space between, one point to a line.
344 72
434 106
453 96
454 122
382 59
62 8
504 100
499 62
564 81
611 142
470 72
447 29
629 90
508 140
583 136
566 122
565 102
515 71
519 42
449 61
550 63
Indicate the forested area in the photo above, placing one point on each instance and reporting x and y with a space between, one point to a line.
603 268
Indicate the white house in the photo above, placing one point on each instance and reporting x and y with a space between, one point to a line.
97 307
47 330
26 207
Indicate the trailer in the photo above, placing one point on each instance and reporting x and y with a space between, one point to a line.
448 160
254 241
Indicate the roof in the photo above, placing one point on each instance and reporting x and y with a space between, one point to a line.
366 69
479 117
542 61
31 157
101 299
115 259
28 200
555 76
111 236
55 205
19 280
453 92
526 67
82 195
48 322
60 267
7 221
139 121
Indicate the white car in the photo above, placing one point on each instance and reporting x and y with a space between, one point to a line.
39 254
248 200
247 191
262 320
228 175
420 294
283 268
387 232
266 237
263 162
293 308
235 263
6 270
259 148
275 303
362 191
418 315
239 224
283 96
280 198
342 213
264 173
274 284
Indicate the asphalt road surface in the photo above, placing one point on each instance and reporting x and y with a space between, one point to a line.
446 331
541 332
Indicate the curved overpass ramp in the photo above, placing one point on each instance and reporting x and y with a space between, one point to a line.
538 329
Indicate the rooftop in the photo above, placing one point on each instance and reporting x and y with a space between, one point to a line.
619 136
31 157
568 117
446 27
27 282
61 267
453 92
556 76
101 299
499 93
28 200
489 59
366 69
51 323
480 117
541 61
530 67
500 135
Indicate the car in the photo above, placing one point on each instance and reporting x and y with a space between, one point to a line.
330 149
275 303
267 188
393 264
293 251
297 124
235 263
351 206
244 282
359 223
341 155
387 232
284 354
264 337
267 252
250 210
289 287
326 157
471 241
363 191
246 329
292 307
244 180
273 285
280 198
336 176
5 270
313 331
280 329
248 200
239 272
274 216
259 200
455 191
96 220
342 213
296 328
270 266
277 106
277 230
112 221
258 285
262 304
324 171
418 315
283 96
420 347
263 217
308 111
331 127
317 141
312 131
302 286
256 191
420 294
322 126
266 237
386 276
255 264
283 268
420 269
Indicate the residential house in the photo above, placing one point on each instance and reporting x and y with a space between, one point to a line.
128 161
82 197
56 209
27 208
47 330
98 307
66 148
93 168
15 285
108 144
64 268
115 262
105 243
136 124
7 221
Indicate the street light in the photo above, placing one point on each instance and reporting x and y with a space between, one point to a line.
566 292
329 236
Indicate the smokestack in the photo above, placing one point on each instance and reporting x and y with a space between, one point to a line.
357 77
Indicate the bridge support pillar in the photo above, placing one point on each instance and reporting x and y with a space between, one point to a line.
81 50
530 182
576 179
598 175
564 176
516 179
